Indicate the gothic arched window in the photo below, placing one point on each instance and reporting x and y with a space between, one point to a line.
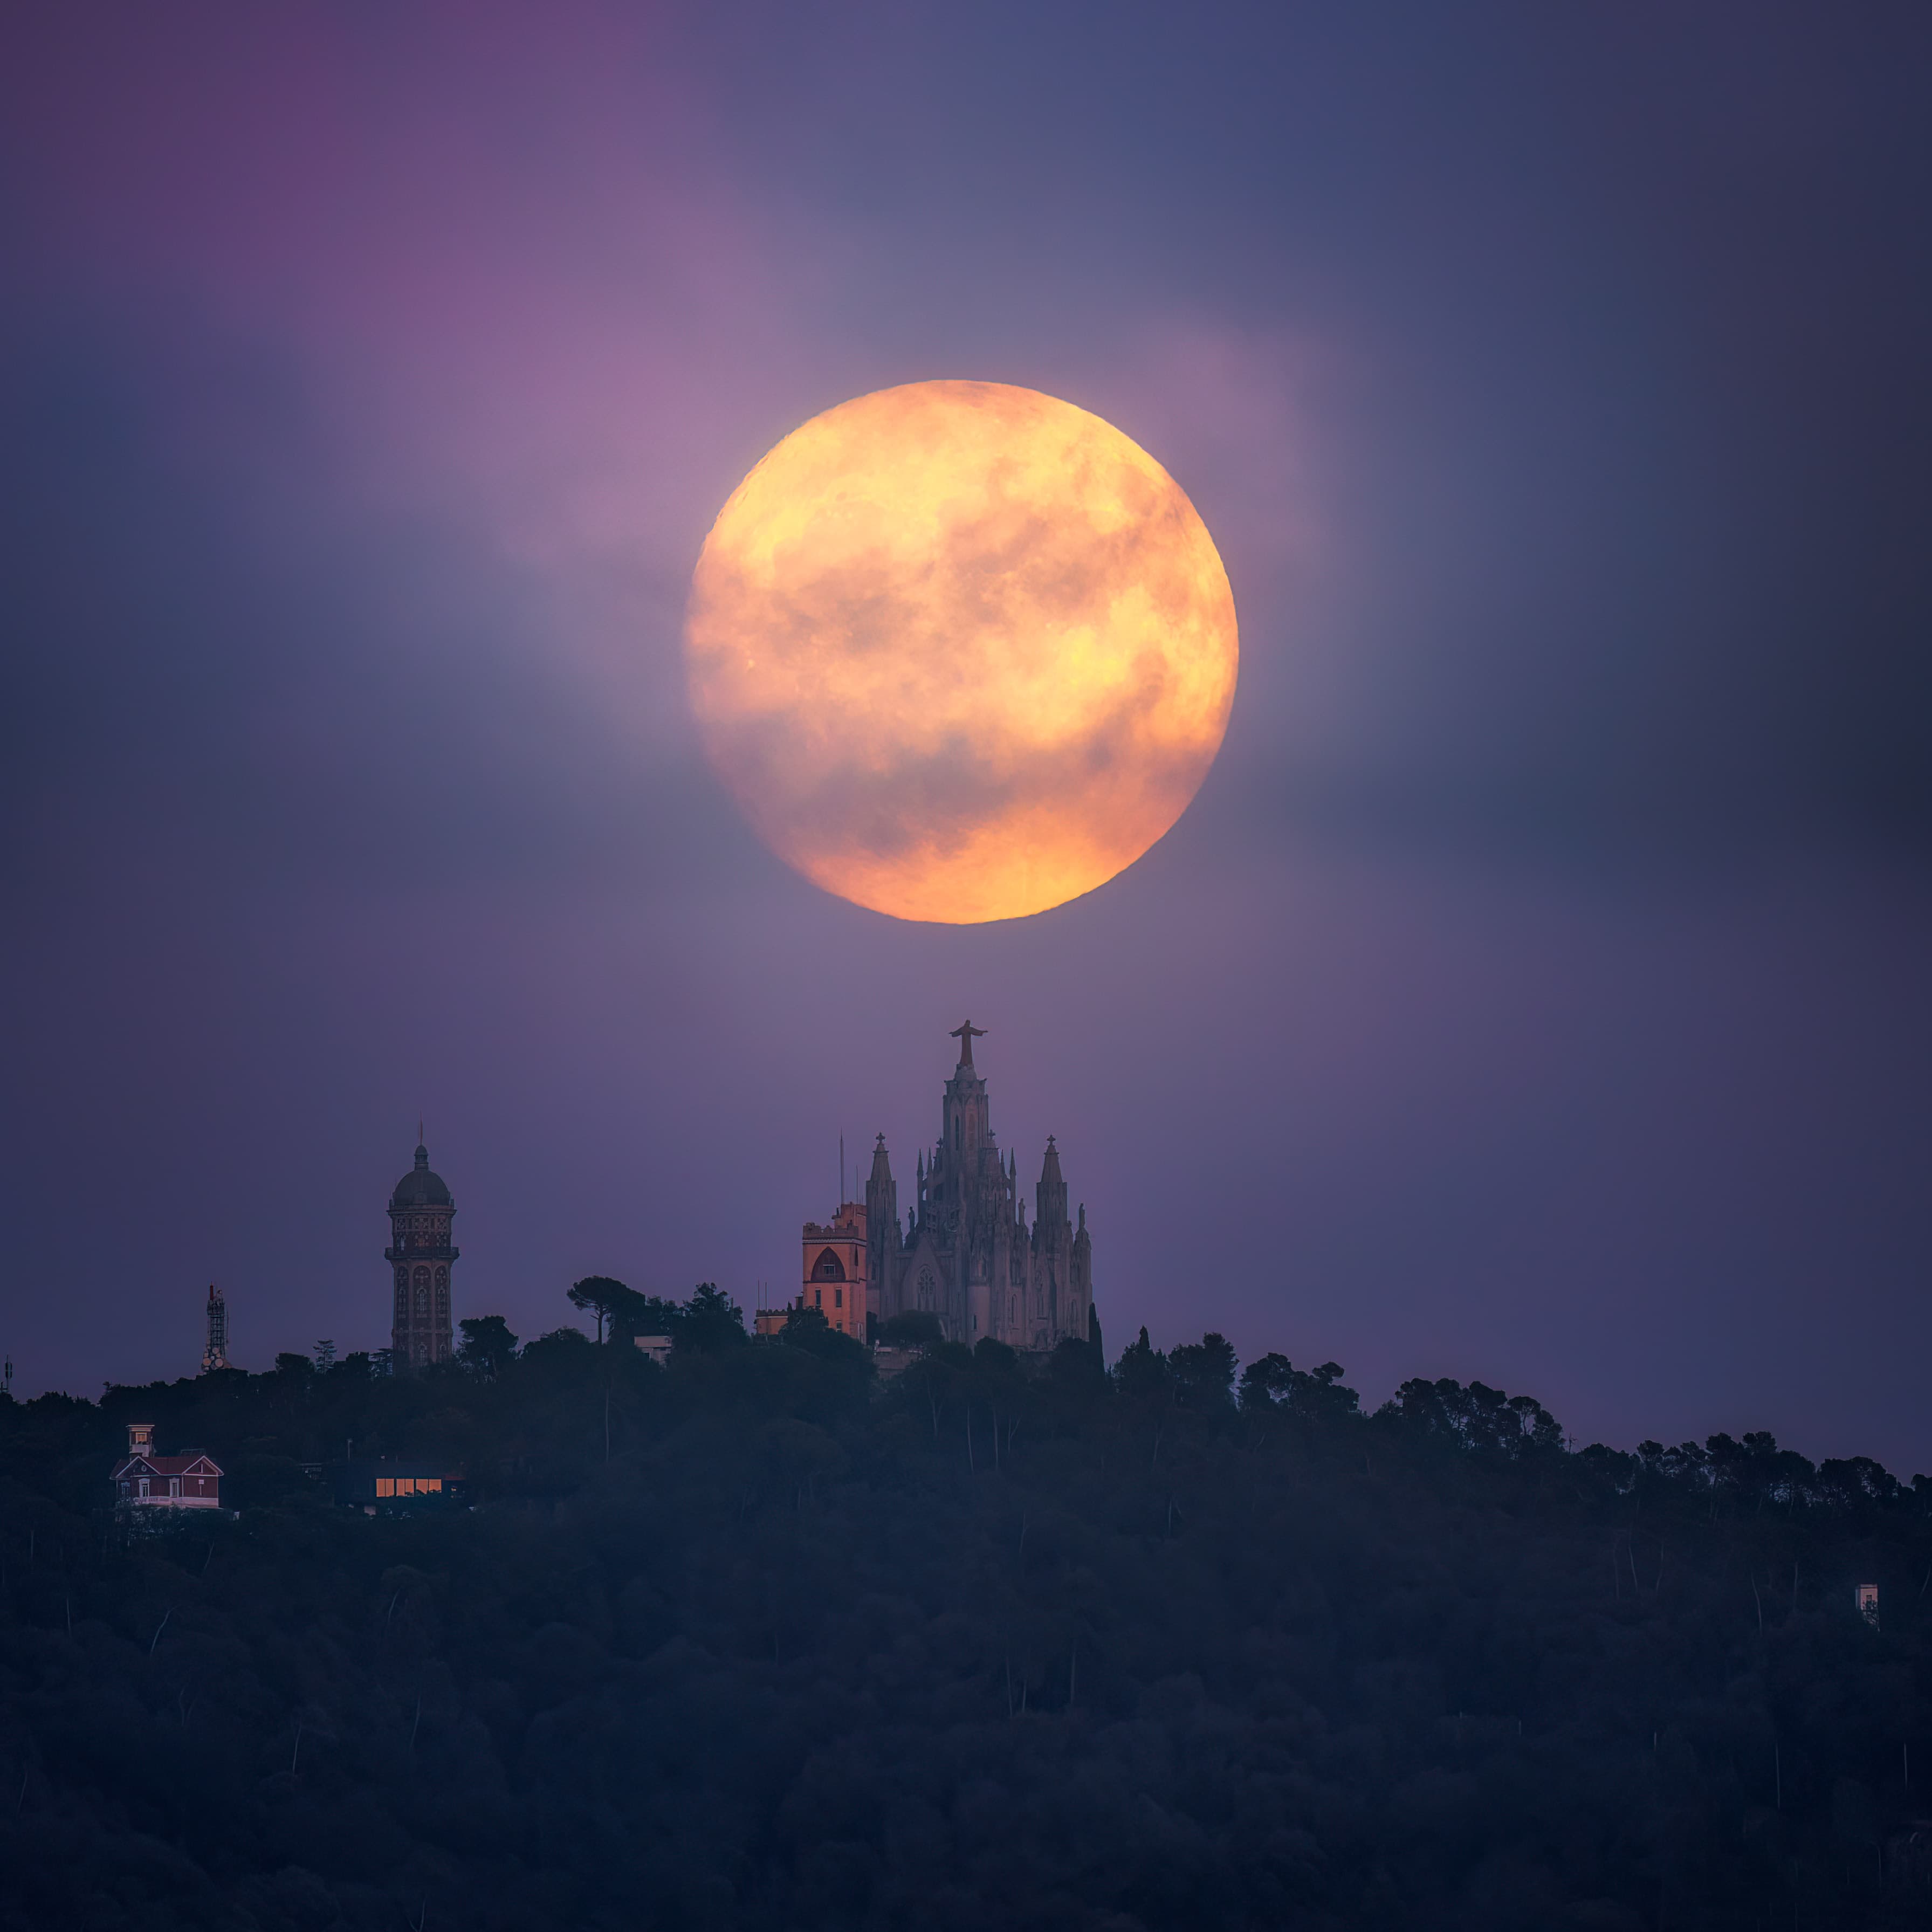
420 1284
828 1267
926 1285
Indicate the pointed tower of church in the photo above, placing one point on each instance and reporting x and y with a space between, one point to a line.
1053 1250
1080 1284
420 1253
967 1188
967 1256
882 1227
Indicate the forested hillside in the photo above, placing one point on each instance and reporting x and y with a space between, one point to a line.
757 1639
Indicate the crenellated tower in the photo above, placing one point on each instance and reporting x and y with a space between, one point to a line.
837 1263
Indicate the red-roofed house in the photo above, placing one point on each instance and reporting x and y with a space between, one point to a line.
144 1481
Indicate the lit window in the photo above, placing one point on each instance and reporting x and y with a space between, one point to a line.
385 1485
432 1485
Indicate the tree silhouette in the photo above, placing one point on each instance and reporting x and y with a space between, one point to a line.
601 1297
488 1346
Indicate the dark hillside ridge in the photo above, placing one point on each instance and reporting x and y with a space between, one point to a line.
752 1639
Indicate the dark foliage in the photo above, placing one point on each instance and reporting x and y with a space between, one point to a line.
913 1328
753 1640
609 1303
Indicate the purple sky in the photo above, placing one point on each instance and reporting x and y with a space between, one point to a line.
1537 990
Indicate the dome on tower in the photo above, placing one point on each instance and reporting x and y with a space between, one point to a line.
420 1187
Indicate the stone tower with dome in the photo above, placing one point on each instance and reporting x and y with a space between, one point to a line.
420 1258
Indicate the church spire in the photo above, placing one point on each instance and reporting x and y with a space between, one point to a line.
882 1214
1050 1197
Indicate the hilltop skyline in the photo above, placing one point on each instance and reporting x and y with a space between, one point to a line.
1534 989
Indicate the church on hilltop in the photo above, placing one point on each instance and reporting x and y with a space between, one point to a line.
966 1254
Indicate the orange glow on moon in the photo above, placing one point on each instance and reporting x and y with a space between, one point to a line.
961 651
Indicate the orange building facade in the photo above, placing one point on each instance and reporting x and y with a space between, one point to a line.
837 1277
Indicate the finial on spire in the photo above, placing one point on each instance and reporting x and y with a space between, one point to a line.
966 1035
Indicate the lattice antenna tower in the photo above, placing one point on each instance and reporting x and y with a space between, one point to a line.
215 1350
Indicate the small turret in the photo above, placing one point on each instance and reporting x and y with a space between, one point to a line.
882 1216
1051 1194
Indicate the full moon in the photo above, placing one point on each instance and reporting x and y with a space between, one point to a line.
961 651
